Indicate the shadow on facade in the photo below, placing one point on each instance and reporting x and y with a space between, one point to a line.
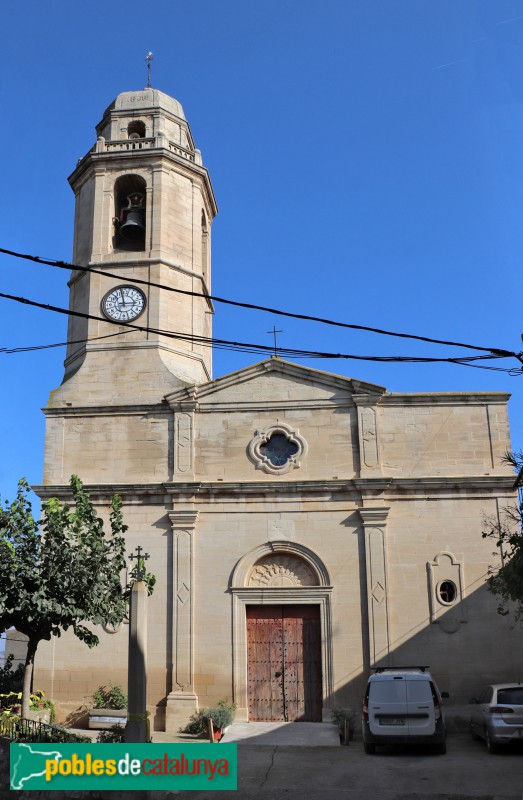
465 646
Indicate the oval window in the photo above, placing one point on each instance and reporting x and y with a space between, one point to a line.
447 592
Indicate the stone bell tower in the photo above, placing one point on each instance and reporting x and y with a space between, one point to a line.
144 207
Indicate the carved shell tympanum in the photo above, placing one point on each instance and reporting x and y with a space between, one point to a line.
281 570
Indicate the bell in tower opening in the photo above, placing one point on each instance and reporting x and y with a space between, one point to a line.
129 221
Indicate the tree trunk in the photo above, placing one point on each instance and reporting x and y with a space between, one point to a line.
28 674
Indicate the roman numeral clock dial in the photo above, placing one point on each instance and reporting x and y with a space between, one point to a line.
123 303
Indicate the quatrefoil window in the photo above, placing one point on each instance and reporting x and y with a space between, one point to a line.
277 449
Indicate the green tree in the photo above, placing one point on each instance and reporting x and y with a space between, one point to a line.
507 581
60 573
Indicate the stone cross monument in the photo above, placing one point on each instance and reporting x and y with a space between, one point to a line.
137 728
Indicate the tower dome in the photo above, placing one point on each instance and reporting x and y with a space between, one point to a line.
158 113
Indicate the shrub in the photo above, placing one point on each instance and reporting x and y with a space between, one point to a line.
197 724
222 715
20 731
13 700
11 680
340 715
113 697
113 736
50 706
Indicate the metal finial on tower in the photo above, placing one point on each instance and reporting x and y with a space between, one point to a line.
149 58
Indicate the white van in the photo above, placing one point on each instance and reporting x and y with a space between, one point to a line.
403 705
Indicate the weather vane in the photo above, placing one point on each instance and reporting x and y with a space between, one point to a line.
149 58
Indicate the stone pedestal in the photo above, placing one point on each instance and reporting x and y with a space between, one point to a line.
180 706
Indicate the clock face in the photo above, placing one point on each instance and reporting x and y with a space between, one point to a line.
124 303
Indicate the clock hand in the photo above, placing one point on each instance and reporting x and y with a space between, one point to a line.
128 302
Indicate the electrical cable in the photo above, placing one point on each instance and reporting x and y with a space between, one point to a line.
252 306
257 348
28 349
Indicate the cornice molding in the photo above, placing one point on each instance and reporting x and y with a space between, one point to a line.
274 405
107 411
458 482
102 491
275 594
445 398
367 399
388 488
132 160
288 369
374 517
185 519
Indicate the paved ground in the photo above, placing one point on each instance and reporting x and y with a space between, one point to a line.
273 734
346 773
290 772
292 734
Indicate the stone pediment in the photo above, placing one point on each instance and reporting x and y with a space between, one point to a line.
274 382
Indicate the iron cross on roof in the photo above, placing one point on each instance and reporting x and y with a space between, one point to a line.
141 558
274 332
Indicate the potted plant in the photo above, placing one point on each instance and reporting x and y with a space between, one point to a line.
41 709
109 707
221 716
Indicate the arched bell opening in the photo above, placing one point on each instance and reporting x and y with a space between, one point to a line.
129 218
136 129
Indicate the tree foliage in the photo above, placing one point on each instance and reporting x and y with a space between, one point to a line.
11 679
507 581
61 573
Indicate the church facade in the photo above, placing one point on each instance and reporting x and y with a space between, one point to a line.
303 527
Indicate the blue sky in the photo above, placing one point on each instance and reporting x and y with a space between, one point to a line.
366 157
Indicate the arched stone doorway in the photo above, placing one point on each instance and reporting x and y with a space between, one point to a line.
282 647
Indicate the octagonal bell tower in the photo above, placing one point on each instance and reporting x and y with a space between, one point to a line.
144 207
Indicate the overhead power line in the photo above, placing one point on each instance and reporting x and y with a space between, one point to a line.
66 265
246 347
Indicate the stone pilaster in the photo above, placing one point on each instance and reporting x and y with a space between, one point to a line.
184 440
368 435
374 527
182 700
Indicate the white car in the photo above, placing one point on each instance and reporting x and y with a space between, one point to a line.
403 705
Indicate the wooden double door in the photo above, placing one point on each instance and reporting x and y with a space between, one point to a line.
284 663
